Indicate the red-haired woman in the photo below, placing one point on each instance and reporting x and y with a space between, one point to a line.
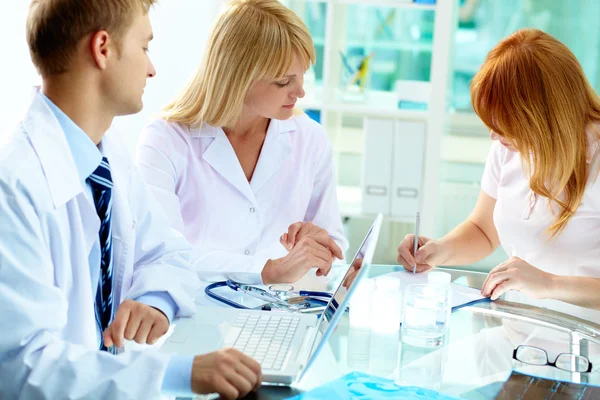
541 196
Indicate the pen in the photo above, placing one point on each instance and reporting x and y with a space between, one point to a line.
416 242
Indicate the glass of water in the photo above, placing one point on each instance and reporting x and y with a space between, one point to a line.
426 316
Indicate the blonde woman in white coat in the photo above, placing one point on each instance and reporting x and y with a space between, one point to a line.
247 180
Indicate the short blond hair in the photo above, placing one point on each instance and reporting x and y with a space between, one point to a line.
251 40
55 27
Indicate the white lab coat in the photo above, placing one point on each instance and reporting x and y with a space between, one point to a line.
235 225
48 332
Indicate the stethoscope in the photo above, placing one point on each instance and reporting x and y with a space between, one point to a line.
278 297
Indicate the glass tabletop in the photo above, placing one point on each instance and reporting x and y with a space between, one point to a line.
477 354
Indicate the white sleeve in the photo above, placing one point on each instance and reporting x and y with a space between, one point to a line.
157 164
163 257
493 167
35 363
323 209
222 265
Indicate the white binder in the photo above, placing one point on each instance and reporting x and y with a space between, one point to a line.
407 173
377 162
392 167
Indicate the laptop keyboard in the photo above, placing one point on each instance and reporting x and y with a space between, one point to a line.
265 338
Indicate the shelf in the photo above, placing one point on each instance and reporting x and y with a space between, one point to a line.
408 5
388 44
381 3
425 47
378 103
350 200
462 123
465 149
378 112
387 3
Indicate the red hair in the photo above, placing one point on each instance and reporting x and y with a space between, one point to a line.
532 90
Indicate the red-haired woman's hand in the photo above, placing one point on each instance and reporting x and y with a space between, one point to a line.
430 253
516 274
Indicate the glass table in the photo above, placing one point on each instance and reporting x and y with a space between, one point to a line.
477 354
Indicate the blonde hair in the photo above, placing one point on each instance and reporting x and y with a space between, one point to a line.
55 27
251 40
532 90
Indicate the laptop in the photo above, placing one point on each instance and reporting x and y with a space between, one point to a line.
285 344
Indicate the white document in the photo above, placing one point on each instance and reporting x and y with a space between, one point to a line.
461 295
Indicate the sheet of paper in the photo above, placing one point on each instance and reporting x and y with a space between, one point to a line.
461 295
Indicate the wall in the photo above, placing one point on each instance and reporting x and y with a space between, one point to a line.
180 27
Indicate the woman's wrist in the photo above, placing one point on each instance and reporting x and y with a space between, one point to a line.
267 271
551 284
446 250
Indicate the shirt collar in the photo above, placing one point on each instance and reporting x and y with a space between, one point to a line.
86 155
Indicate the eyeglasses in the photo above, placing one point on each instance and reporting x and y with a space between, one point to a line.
565 361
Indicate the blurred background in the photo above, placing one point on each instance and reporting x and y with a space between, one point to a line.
391 87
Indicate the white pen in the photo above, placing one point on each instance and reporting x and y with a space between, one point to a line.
416 242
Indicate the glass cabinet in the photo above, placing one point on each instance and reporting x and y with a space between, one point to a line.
374 60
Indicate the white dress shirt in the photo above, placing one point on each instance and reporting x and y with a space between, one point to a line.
235 225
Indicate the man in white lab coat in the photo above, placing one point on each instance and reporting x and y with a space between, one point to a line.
86 256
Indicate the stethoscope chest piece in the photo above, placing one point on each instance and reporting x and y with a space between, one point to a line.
281 290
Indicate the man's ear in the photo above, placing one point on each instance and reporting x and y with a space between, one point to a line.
100 48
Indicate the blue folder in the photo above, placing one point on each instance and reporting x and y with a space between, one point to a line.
358 385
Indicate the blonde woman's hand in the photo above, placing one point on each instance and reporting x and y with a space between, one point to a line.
306 254
430 254
516 274
352 272
299 230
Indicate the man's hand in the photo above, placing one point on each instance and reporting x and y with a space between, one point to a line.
135 321
227 372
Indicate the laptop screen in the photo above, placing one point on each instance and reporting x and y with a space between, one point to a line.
340 294
333 311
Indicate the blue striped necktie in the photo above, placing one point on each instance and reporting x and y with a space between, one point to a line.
101 183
